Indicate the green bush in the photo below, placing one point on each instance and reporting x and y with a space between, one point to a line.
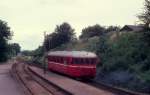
129 53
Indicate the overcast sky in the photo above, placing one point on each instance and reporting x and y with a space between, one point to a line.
28 19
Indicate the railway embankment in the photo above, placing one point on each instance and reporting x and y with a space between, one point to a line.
34 85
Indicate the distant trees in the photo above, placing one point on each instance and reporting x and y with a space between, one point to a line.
27 53
13 49
112 28
38 52
5 35
63 33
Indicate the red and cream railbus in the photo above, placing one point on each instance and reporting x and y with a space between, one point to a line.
77 64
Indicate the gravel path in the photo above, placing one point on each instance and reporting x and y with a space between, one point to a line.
8 86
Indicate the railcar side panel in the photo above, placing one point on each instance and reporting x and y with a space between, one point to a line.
81 71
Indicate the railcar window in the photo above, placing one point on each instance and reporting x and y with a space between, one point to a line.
58 59
50 58
61 58
73 61
55 59
76 61
90 61
83 61
79 61
93 61
87 61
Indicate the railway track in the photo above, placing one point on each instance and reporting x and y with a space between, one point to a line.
35 85
116 90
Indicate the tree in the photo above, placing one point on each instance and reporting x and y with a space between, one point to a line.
145 18
92 31
63 34
5 35
27 53
112 28
38 52
14 49
145 15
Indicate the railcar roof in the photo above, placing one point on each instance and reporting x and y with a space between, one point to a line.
73 54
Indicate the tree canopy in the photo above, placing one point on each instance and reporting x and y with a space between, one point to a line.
145 15
112 28
145 18
5 35
63 33
14 49
92 31
96 30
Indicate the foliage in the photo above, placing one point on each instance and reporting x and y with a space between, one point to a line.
112 28
13 49
145 18
92 31
5 35
34 57
97 30
62 34
128 53
5 32
145 15
27 53
88 45
38 52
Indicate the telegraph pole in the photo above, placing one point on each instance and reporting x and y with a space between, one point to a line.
44 46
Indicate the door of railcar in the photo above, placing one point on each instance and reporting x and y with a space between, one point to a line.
63 64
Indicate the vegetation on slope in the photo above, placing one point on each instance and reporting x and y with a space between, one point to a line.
125 62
